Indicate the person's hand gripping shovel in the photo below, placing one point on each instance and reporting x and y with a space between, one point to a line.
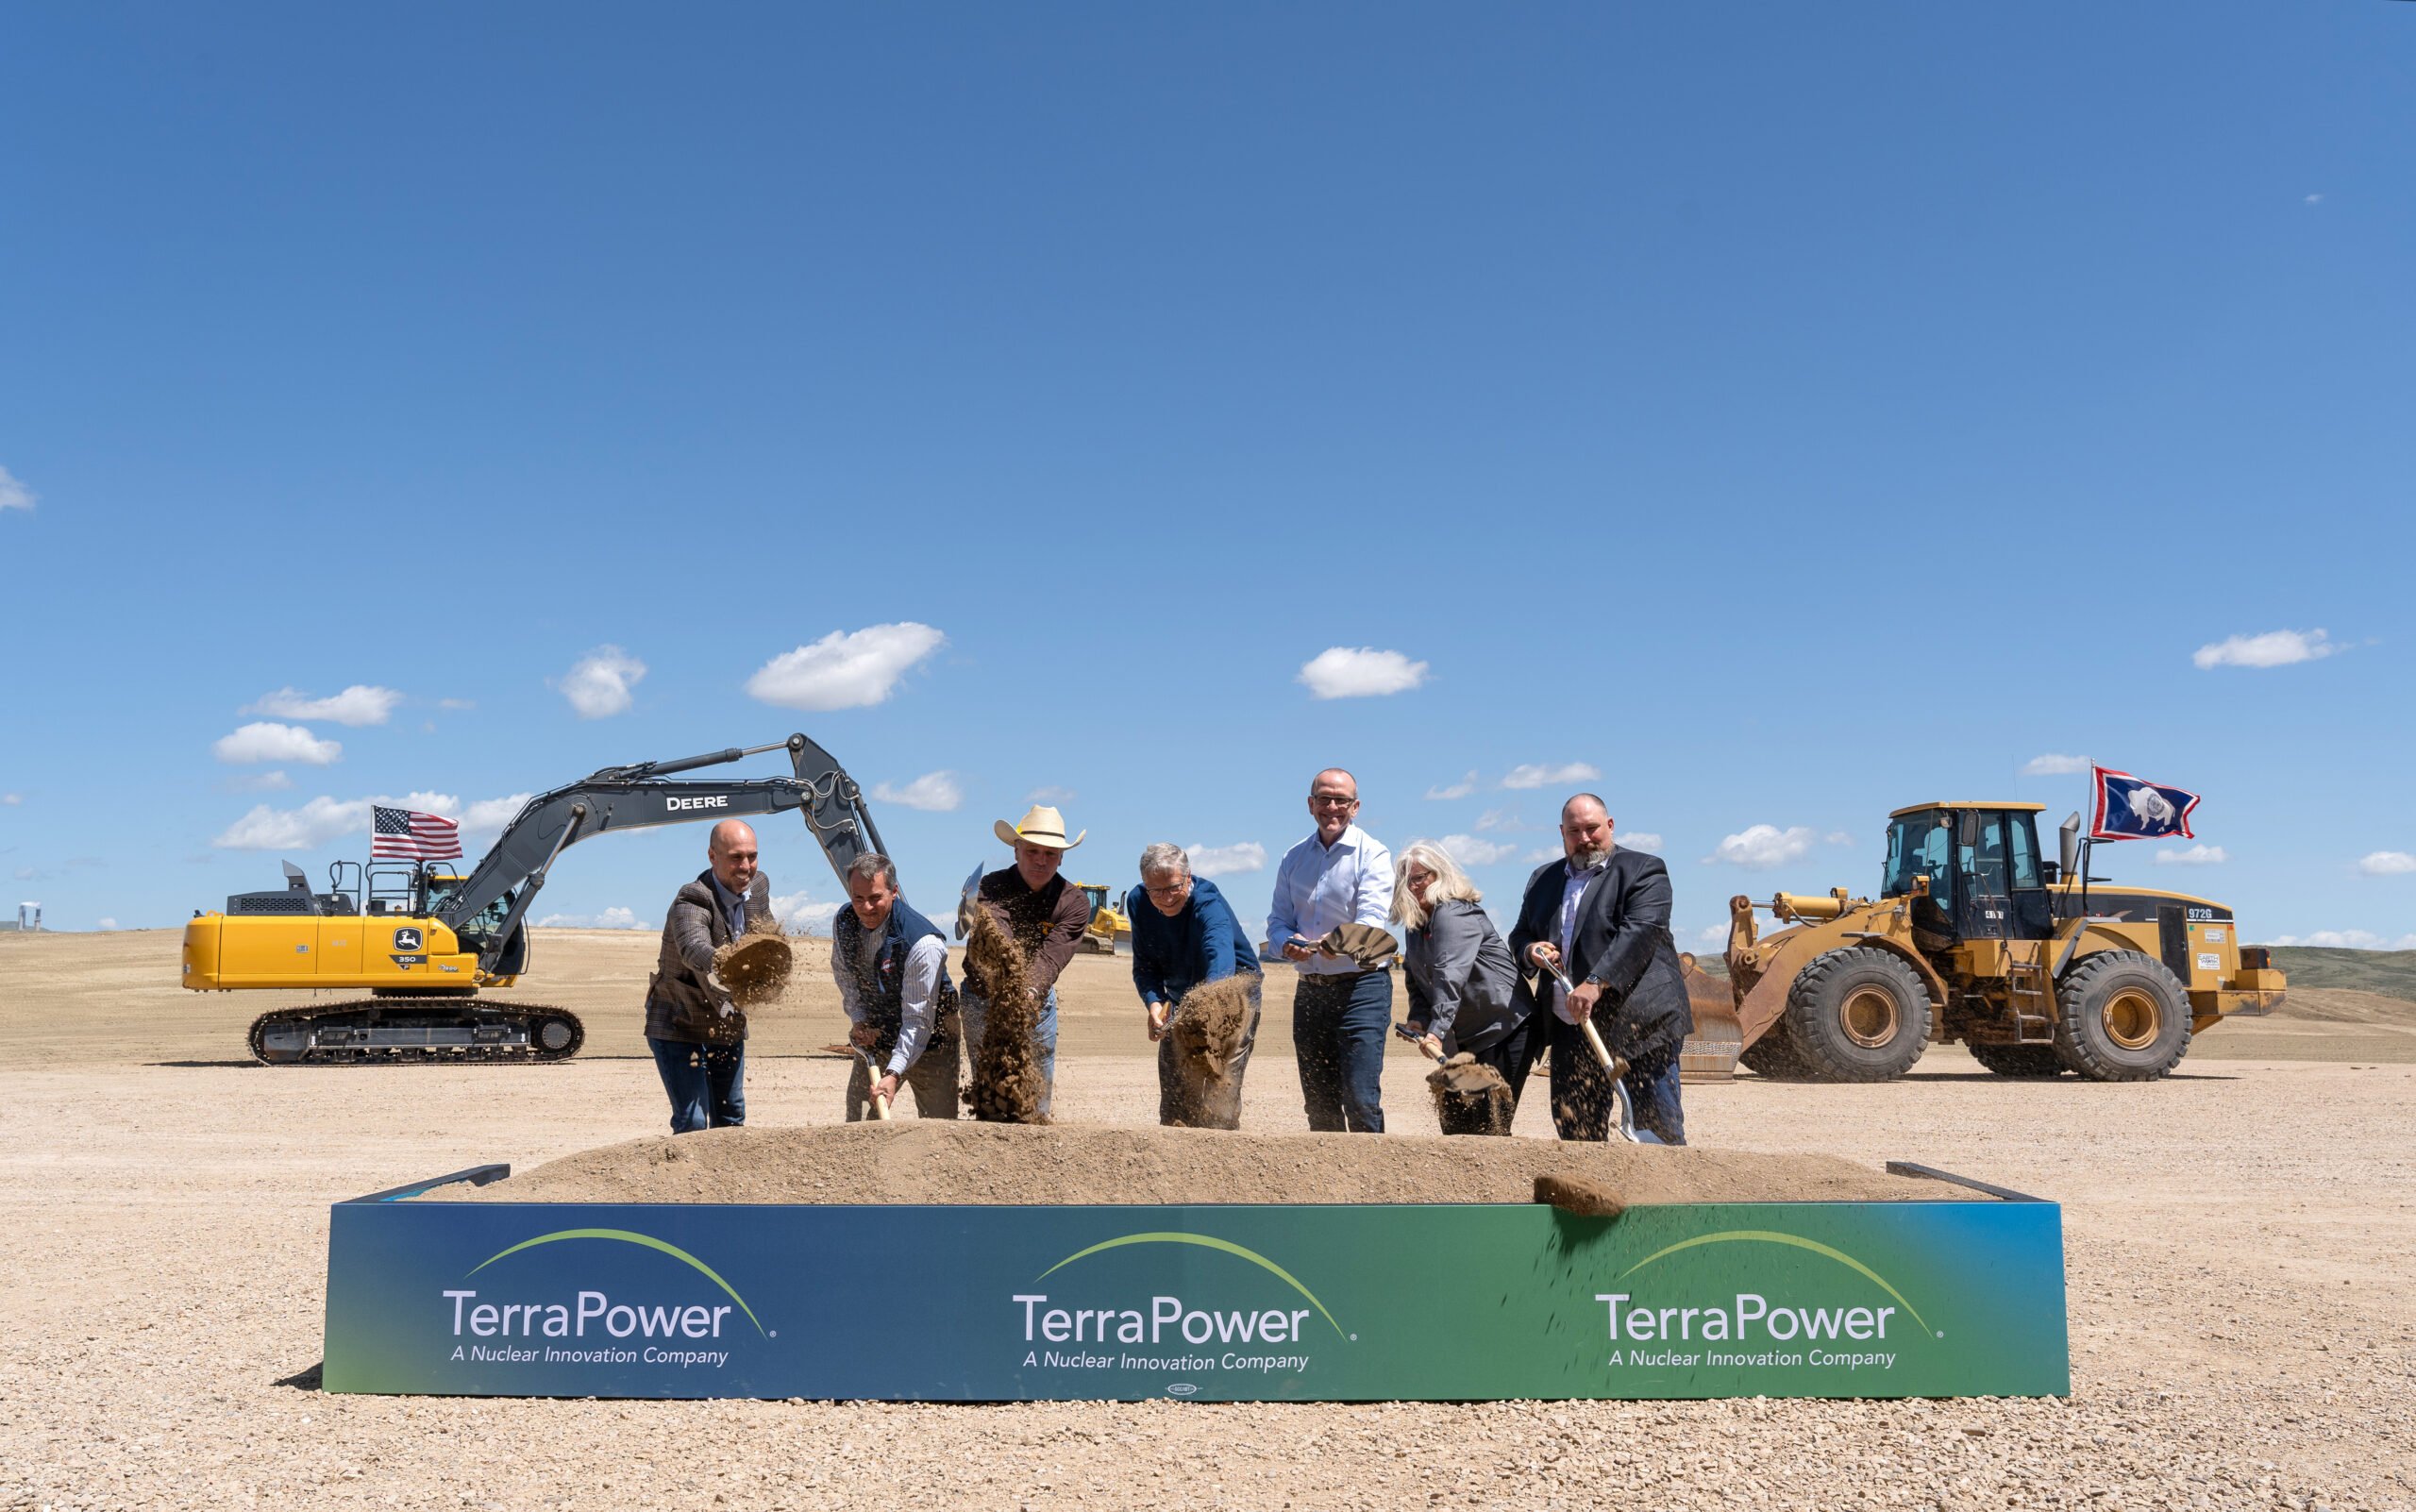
879 1103
1624 1121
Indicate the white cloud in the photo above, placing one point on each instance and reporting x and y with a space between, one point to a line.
799 912
1543 853
323 820
2273 648
1470 851
612 918
2388 863
360 704
2054 766
1226 861
2198 855
598 685
267 741
1054 796
308 827
1837 838
488 815
2348 940
1761 847
1460 789
852 669
933 793
2314 199
1643 840
1536 774
14 495
1496 818
276 782
1339 672
1714 936
11 799
107 923
456 703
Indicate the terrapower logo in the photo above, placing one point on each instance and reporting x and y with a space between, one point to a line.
1168 1331
1748 1329
597 1327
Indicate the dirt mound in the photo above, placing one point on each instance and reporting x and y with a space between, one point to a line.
1208 1025
990 1163
755 968
1007 1084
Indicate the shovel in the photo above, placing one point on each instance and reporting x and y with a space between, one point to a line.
879 1103
1612 1065
1404 1031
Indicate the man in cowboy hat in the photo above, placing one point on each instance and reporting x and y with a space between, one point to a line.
1048 917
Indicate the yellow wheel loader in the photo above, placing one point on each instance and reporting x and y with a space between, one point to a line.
1976 937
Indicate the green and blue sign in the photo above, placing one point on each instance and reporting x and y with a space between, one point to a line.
1211 1304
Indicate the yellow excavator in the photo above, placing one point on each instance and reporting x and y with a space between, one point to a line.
1976 937
425 943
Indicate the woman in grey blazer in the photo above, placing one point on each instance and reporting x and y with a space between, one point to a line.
1460 974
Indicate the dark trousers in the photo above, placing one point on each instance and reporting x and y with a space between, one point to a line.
1188 1098
1581 1094
707 1084
933 1077
1515 1053
1339 1022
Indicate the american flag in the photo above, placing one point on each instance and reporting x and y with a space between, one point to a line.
399 834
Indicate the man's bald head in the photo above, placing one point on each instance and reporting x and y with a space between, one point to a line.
730 849
1334 803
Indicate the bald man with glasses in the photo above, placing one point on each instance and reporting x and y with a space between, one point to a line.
1341 1010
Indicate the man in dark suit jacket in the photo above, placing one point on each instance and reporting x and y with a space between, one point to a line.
1603 915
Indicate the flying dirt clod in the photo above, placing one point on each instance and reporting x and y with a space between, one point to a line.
1007 1084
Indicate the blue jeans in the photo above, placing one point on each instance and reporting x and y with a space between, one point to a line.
974 1010
707 1084
1339 1021
1581 1094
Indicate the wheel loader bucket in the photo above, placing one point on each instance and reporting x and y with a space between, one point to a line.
1710 1053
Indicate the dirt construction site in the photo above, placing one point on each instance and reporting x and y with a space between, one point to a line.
2240 1246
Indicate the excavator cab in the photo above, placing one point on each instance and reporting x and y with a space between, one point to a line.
1984 878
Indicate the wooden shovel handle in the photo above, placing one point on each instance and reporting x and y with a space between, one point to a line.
1601 1051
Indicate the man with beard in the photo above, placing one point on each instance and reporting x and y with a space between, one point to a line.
1601 917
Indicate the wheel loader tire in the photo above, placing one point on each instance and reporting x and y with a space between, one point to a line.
1774 1055
2023 1061
1858 1014
2122 1016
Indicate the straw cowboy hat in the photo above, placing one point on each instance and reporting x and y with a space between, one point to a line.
1040 826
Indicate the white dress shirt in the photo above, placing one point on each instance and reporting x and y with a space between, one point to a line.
1321 887
925 960
1570 891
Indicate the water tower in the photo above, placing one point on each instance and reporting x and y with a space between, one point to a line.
29 916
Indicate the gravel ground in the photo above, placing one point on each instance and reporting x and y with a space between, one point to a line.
2242 1303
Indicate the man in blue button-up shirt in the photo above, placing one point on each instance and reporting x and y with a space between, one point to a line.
1341 1010
1184 935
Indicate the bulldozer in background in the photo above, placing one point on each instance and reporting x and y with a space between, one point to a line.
1108 923
1975 937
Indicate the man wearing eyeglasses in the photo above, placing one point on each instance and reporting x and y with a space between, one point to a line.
1184 935
1341 1009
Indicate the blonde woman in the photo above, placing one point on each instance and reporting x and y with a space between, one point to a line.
1461 978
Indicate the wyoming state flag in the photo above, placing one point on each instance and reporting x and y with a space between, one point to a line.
2129 807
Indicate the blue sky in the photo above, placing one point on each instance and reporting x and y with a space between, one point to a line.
1787 413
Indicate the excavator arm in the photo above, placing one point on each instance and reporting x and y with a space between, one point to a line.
638 796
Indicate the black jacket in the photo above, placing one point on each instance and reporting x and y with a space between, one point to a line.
1621 940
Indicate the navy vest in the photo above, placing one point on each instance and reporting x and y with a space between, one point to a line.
882 988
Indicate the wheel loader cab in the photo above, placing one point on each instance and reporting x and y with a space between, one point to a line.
1984 878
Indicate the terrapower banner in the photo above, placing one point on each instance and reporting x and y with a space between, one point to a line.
1211 1304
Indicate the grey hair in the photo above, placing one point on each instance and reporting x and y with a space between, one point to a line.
1450 883
873 866
1164 857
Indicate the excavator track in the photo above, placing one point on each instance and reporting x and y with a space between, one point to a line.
432 1031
